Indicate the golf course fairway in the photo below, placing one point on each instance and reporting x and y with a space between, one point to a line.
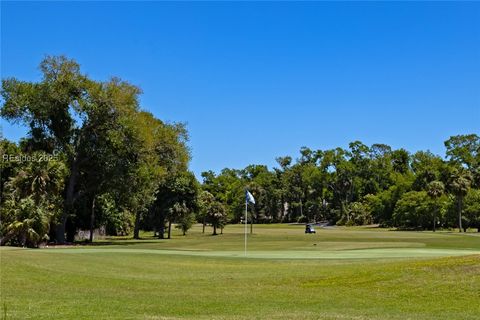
337 273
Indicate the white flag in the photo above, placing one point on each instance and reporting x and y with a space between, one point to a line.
249 197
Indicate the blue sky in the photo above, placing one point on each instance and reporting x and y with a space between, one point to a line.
257 80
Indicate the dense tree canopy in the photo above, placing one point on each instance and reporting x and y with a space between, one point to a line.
111 149
93 158
359 185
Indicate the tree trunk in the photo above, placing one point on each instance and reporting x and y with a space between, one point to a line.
136 228
68 206
161 233
434 218
92 220
60 230
301 208
214 229
251 225
204 222
169 228
459 207
70 229
345 209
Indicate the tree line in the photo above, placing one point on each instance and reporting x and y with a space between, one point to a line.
361 185
93 157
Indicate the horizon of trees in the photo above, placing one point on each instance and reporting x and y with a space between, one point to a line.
93 157
361 185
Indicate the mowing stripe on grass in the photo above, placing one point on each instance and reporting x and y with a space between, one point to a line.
374 253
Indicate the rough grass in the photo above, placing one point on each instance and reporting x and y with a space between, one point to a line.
126 279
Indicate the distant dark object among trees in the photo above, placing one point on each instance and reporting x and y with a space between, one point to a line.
93 157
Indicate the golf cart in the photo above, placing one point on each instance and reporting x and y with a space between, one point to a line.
309 229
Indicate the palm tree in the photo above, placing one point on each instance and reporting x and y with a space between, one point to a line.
435 189
30 226
35 197
39 180
459 184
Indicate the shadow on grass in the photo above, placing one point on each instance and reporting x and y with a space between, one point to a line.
118 242
109 242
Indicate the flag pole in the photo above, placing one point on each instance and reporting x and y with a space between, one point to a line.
246 209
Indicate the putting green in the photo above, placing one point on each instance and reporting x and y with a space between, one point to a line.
374 253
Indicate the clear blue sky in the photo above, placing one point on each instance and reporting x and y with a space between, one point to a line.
259 80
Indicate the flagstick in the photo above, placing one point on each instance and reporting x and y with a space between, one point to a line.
246 209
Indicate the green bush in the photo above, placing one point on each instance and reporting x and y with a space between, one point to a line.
30 223
414 210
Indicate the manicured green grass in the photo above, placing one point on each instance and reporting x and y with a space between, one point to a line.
335 274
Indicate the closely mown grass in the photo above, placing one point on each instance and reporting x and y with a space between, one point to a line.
50 284
291 237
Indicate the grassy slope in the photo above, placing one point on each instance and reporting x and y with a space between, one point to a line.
49 284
